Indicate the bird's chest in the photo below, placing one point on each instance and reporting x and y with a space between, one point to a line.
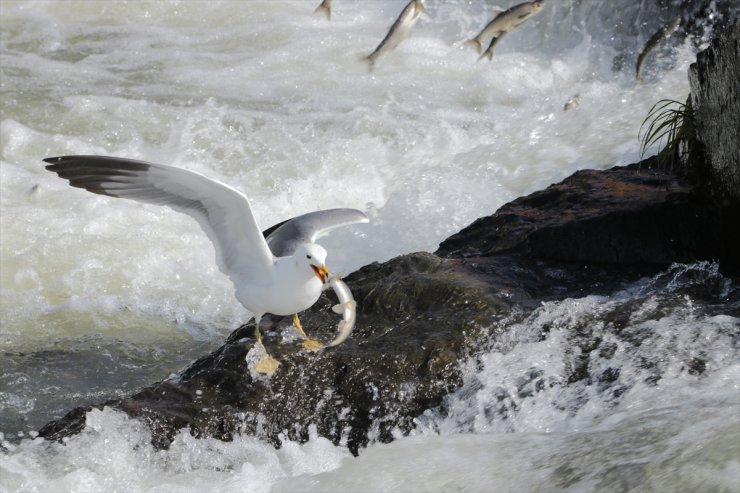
285 297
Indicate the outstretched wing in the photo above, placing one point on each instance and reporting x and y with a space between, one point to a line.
283 238
222 212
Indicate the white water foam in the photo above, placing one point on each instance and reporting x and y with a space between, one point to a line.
113 454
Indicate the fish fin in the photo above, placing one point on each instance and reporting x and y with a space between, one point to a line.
323 8
638 68
370 60
488 54
474 42
339 307
489 51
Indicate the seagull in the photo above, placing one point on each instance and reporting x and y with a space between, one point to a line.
281 271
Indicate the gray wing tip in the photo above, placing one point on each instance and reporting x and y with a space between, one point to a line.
91 163
75 159
55 163
91 173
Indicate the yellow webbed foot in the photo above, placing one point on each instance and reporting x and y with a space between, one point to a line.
267 365
308 343
312 345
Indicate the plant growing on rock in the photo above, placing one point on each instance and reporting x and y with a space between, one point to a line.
673 122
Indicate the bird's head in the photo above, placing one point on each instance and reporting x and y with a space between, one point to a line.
313 257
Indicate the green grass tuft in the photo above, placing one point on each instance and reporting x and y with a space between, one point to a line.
673 122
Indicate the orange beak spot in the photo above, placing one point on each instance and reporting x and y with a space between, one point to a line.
321 272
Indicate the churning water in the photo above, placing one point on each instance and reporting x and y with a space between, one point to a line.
103 296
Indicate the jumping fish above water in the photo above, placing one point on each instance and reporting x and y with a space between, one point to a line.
657 38
503 23
325 7
399 30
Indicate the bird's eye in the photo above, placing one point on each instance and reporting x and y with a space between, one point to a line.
308 257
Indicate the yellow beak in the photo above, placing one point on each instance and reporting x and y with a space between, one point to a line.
322 272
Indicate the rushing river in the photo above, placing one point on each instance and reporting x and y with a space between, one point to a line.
103 296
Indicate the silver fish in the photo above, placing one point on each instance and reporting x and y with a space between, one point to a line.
399 30
347 307
325 7
503 23
657 38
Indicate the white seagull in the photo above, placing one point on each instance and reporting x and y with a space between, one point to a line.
282 274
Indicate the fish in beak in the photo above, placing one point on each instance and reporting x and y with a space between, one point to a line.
321 272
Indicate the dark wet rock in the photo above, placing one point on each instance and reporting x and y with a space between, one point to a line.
624 216
417 315
421 314
607 350
579 368
609 375
715 97
696 366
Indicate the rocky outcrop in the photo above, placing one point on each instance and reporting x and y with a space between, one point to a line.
622 216
421 314
715 97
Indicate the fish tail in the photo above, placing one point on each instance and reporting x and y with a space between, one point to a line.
638 68
370 59
488 54
325 9
489 51
474 42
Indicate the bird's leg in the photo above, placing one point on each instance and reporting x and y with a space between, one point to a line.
308 343
266 364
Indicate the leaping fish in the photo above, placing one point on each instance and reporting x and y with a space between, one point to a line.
657 38
325 7
503 23
399 30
